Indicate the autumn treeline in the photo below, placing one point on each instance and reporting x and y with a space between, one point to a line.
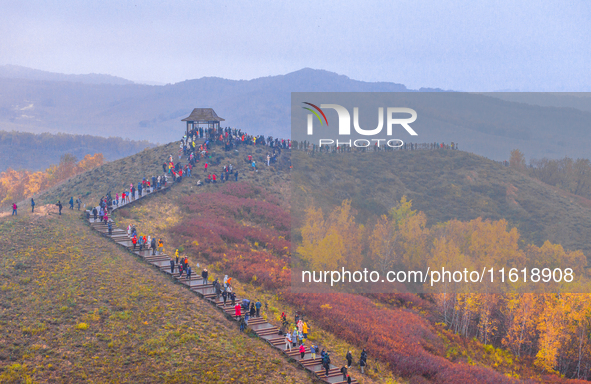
554 330
19 185
571 175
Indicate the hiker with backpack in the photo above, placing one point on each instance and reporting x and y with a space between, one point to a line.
313 350
344 372
326 362
363 360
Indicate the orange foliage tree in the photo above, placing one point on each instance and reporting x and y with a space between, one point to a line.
19 185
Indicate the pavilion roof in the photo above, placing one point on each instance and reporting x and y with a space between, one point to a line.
203 114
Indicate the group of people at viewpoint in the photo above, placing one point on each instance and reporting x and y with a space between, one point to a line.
195 149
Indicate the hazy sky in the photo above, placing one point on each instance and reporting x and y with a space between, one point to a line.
469 45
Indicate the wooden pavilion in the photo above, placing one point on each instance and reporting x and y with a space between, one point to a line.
203 117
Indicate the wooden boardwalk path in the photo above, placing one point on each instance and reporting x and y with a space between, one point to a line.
205 290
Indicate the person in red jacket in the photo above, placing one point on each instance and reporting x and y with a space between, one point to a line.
237 310
302 351
134 241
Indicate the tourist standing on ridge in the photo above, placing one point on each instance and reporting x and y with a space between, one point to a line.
72 203
59 206
79 201
14 208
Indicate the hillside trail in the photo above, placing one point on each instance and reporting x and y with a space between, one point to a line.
264 330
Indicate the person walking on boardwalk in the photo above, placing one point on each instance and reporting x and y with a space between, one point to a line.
188 267
237 310
72 203
233 298
204 275
32 205
171 266
134 241
349 359
294 336
95 213
160 245
258 306
225 297
313 350
153 245
302 351
110 226
180 271
176 255
344 372
252 310
326 362
288 341
305 329
242 324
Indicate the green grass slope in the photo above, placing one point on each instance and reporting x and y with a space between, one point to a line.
76 308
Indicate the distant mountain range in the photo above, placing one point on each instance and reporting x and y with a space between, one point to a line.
36 101
19 72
